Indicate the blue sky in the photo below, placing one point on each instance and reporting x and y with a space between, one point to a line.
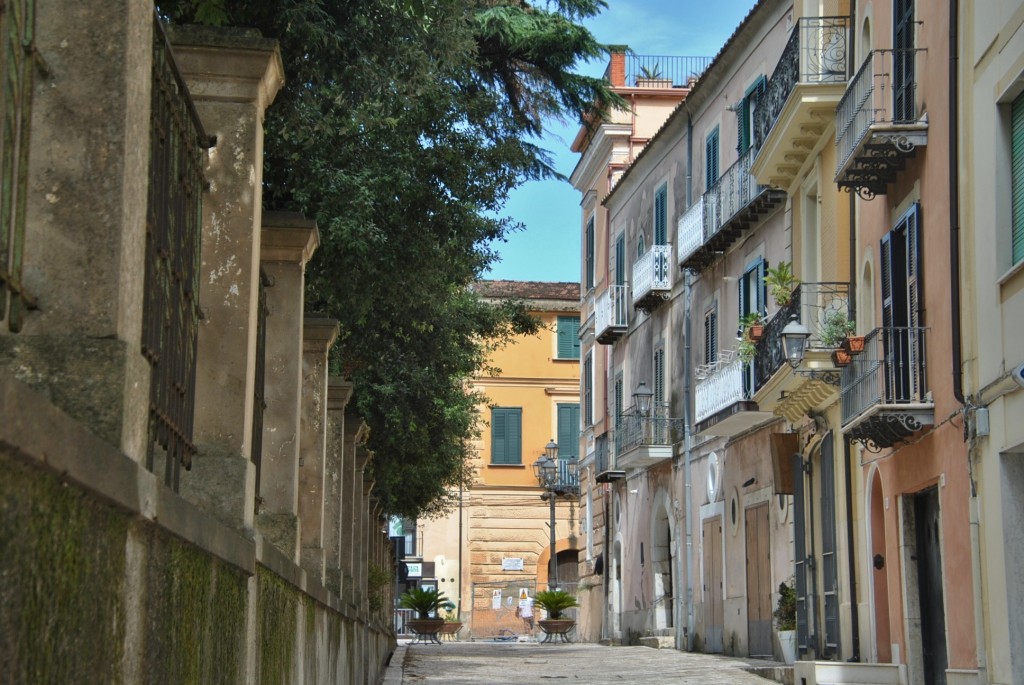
548 249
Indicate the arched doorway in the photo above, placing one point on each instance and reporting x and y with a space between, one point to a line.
661 566
879 573
615 592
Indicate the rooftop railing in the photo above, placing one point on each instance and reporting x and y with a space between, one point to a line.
662 71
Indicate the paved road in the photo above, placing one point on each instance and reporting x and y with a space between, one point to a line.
486 663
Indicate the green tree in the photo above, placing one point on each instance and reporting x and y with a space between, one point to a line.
402 127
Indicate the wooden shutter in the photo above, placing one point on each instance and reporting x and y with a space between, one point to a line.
746 115
588 390
915 304
506 435
659 377
568 337
711 159
618 401
620 260
829 552
710 335
903 61
800 555
590 253
1017 177
661 216
568 431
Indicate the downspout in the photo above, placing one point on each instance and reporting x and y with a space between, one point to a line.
687 439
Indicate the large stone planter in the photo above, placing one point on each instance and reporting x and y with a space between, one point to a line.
556 628
426 629
450 630
787 641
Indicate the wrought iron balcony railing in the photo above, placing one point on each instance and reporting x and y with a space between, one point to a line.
890 371
811 303
611 313
694 226
652 273
880 100
568 476
817 52
664 71
634 429
719 385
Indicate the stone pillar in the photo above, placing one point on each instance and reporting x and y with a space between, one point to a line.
351 474
85 188
318 335
339 392
233 75
288 240
365 545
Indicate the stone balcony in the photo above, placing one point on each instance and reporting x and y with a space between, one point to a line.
652 278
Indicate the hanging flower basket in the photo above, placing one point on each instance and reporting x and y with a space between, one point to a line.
853 344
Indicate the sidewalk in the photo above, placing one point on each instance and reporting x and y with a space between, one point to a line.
497 663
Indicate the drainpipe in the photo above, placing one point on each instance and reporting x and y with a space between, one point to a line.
687 428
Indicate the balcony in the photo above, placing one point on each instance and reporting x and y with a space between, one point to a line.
800 99
720 217
642 441
604 460
722 403
611 314
654 71
793 393
568 476
877 129
884 391
652 278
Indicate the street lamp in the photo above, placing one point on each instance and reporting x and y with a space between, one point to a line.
642 398
794 341
546 471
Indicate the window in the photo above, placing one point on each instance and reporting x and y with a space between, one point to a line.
903 61
746 112
711 159
617 399
620 260
1017 177
568 431
590 253
588 390
507 435
568 337
641 246
753 292
661 215
710 335
902 341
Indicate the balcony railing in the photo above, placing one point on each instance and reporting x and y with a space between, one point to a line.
568 477
890 371
657 428
662 71
714 221
877 101
811 303
611 313
652 273
817 52
719 385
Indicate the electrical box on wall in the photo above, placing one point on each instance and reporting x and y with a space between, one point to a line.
1018 374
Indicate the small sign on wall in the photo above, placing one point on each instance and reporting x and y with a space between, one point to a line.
512 564
415 569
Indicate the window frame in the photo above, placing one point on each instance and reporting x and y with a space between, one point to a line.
512 449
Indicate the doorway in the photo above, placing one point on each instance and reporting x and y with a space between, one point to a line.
759 583
661 565
880 573
714 610
926 636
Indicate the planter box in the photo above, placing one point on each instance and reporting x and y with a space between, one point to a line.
853 344
841 357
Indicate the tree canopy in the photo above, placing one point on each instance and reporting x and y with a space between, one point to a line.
402 127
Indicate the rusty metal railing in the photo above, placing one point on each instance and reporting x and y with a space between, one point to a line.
173 227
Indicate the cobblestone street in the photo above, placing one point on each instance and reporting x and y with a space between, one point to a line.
534 664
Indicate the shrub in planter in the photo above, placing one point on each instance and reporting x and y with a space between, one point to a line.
555 602
422 601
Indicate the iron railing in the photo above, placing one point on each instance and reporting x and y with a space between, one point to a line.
719 385
653 271
17 22
604 460
611 309
817 52
811 303
890 370
870 100
692 228
634 429
662 71
173 225
568 477
259 403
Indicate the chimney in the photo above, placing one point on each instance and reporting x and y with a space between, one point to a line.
616 73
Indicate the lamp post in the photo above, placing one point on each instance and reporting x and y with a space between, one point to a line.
642 398
546 471
794 341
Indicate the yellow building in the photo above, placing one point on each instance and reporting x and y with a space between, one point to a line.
495 547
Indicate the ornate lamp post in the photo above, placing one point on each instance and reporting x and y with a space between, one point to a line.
642 398
794 341
546 471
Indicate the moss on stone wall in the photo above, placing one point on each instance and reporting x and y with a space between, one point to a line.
195 616
62 557
277 621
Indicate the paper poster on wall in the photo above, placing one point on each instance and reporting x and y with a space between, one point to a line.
496 599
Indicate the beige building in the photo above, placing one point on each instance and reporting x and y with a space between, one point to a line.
496 543
991 214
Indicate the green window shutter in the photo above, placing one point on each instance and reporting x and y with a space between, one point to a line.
661 216
1017 176
659 377
711 159
620 260
568 431
568 337
590 253
506 435
618 401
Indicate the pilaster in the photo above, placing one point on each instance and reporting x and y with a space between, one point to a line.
339 392
233 75
318 335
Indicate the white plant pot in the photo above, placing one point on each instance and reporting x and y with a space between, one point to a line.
787 641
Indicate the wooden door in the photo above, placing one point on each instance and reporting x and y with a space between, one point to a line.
714 610
759 581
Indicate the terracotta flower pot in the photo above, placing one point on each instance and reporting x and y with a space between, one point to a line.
841 357
425 626
853 344
756 332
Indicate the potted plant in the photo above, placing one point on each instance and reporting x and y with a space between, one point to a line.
752 326
835 329
651 77
747 350
452 624
785 621
781 283
555 602
424 601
